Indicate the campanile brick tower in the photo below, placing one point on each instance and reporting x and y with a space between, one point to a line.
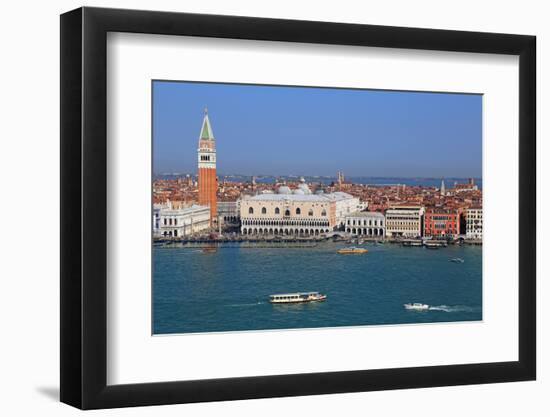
208 182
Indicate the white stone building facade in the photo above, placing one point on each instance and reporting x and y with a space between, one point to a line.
366 223
474 223
184 221
404 221
345 204
229 212
294 213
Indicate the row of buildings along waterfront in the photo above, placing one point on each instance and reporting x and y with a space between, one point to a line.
200 204
416 221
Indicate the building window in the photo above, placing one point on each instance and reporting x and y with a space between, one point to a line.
310 213
250 210
165 221
287 212
264 211
277 211
175 222
298 211
324 213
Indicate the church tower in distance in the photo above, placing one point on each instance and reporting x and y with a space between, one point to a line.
208 182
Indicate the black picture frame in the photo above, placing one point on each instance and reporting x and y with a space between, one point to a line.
84 207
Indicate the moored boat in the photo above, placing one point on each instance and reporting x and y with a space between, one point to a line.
416 306
297 297
351 250
435 244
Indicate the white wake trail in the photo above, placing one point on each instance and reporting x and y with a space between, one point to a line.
453 309
246 304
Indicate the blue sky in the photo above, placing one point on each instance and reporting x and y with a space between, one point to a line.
318 131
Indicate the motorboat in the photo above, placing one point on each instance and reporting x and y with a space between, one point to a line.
457 260
351 251
416 306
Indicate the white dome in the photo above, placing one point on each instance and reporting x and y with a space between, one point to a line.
304 188
283 189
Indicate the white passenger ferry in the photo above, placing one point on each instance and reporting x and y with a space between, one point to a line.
297 297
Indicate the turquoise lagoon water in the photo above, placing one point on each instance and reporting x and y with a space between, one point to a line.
228 290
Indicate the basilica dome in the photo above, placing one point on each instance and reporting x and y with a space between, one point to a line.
304 188
283 189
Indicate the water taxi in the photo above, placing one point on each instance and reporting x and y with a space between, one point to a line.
416 306
298 297
457 260
351 250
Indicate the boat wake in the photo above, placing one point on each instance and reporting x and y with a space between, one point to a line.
454 309
245 304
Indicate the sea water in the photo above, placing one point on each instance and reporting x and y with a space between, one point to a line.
228 290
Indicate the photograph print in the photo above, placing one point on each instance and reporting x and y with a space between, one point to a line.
291 207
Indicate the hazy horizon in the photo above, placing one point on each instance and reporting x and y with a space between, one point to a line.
222 174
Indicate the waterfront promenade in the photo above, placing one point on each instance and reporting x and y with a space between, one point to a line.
333 237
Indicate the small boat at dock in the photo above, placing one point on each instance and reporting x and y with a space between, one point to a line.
351 251
209 249
435 244
416 306
297 297
412 242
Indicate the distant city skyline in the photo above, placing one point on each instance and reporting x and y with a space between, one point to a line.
283 131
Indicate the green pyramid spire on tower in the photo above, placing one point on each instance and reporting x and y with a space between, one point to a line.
206 131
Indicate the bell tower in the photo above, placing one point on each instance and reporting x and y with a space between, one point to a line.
208 182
